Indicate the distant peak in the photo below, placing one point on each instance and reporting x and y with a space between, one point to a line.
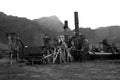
3 14
106 27
54 17
49 18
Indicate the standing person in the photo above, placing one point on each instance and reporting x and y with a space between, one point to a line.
13 46
65 27
114 47
46 41
85 50
75 44
105 45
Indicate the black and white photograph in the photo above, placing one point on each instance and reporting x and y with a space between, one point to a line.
59 39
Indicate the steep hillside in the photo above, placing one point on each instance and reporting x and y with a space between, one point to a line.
30 31
111 33
51 23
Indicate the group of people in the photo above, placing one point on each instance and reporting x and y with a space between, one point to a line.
15 46
67 49
63 48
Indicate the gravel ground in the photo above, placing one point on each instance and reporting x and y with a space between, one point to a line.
92 70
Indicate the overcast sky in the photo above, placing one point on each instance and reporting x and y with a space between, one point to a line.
92 13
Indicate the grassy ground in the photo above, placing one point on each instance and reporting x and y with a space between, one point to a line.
92 70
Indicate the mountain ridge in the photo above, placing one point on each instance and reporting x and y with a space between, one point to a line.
32 31
28 29
51 23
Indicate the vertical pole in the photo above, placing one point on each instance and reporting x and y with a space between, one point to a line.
65 25
66 31
66 41
76 23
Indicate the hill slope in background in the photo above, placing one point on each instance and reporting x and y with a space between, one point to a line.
51 23
30 31
111 33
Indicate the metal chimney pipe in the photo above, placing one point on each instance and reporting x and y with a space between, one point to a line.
76 23
65 25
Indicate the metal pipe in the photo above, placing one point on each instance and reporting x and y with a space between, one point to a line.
65 25
76 23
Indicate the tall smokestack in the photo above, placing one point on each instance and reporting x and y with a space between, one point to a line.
65 25
76 23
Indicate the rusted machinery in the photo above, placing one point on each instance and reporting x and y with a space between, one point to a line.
42 54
